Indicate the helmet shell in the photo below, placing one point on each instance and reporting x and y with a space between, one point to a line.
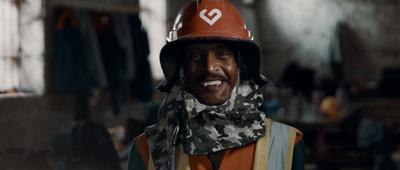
208 20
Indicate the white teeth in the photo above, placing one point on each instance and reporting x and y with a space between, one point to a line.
210 83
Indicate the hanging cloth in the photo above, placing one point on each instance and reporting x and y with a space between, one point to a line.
142 85
86 27
72 70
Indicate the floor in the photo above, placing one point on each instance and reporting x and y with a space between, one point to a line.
29 129
36 127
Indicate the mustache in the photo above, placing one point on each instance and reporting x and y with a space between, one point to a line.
211 77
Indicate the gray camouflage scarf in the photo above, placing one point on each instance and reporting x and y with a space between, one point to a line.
202 129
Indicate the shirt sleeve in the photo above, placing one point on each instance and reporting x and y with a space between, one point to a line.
135 161
299 156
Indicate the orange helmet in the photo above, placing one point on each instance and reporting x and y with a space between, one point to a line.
205 20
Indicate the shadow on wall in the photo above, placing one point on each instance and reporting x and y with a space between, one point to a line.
356 62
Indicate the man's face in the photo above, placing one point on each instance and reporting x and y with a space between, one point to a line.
211 71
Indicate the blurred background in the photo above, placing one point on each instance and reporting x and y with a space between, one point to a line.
78 78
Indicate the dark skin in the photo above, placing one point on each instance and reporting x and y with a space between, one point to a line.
211 70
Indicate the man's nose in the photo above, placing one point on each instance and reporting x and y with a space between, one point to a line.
211 63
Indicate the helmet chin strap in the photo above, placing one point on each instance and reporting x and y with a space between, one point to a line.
181 74
243 75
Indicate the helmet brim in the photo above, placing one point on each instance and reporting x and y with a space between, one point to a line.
172 52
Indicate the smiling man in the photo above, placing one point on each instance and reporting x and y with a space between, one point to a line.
211 71
209 118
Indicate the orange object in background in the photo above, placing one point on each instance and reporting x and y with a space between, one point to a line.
331 107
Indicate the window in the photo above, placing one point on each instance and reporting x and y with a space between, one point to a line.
9 45
21 46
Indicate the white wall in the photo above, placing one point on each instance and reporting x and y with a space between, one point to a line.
9 40
154 19
22 39
301 31
32 45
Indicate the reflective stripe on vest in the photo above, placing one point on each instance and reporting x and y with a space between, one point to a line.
278 141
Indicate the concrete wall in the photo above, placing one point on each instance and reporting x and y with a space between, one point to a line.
154 18
21 46
32 46
293 30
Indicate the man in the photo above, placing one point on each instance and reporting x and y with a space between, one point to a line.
209 117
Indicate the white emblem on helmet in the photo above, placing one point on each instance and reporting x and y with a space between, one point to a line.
211 13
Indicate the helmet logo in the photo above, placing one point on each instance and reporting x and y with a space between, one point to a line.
211 13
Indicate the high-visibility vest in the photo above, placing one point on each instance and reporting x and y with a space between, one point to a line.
274 151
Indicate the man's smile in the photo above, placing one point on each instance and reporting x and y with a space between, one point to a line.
211 83
211 80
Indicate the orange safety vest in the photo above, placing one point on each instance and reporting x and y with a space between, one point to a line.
274 151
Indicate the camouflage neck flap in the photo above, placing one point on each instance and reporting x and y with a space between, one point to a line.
202 129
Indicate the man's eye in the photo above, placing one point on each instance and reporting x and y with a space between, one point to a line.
224 54
194 56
